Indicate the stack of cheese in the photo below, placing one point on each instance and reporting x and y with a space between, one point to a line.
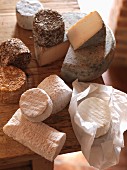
37 104
14 56
91 50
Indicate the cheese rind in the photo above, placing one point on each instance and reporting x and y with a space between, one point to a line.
25 11
95 110
38 137
58 91
36 105
84 29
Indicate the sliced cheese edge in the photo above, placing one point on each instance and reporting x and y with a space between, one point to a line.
96 110
84 29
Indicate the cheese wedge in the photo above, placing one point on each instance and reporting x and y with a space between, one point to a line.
58 91
84 29
25 11
95 110
38 137
36 105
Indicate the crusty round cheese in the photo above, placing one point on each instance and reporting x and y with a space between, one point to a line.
96 110
58 91
48 28
25 11
14 52
12 84
36 105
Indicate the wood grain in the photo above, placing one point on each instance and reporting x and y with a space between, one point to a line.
10 150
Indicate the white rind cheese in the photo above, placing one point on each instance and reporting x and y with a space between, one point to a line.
58 91
84 29
25 11
95 110
38 137
36 105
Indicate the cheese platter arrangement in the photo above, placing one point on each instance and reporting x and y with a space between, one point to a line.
42 52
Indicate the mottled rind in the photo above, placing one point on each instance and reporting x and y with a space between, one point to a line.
90 62
12 84
48 28
14 52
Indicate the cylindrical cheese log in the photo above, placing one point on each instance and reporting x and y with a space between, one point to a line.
14 52
36 105
48 28
58 91
95 110
38 137
25 11
12 84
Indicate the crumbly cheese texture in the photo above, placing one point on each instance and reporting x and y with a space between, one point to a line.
38 137
36 105
84 29
58 91
25 11
96 110
12 84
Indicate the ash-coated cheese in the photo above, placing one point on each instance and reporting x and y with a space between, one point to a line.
13 83
48 28
25 11
89 63
36 105
95 110
84 29
38 137
14 52
58 91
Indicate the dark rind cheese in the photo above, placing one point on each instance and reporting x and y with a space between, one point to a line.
12 84
90 62
48 28
14 52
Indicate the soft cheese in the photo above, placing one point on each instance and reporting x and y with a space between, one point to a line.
84 29
38 137
95 110
36 105
58 91
25 11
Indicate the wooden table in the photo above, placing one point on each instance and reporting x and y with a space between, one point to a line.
11 151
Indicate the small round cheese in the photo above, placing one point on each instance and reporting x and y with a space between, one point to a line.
96 110
12 84
36 105
25 11
48 28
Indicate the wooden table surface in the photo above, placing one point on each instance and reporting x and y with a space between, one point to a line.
10 150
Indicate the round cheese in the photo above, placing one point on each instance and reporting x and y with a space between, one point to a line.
14 52
36 105
58 91
95 110
12 84
25 11
48 28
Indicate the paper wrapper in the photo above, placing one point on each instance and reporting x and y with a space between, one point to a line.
104 151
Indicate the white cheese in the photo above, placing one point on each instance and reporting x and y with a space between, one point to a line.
95 110
84 29
36 105
58 91
38 137
25 11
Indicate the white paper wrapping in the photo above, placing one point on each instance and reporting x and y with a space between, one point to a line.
104 151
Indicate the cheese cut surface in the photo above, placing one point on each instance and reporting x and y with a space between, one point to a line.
58 91
84 29
38 137
12 84
96 110
36 105
25 11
